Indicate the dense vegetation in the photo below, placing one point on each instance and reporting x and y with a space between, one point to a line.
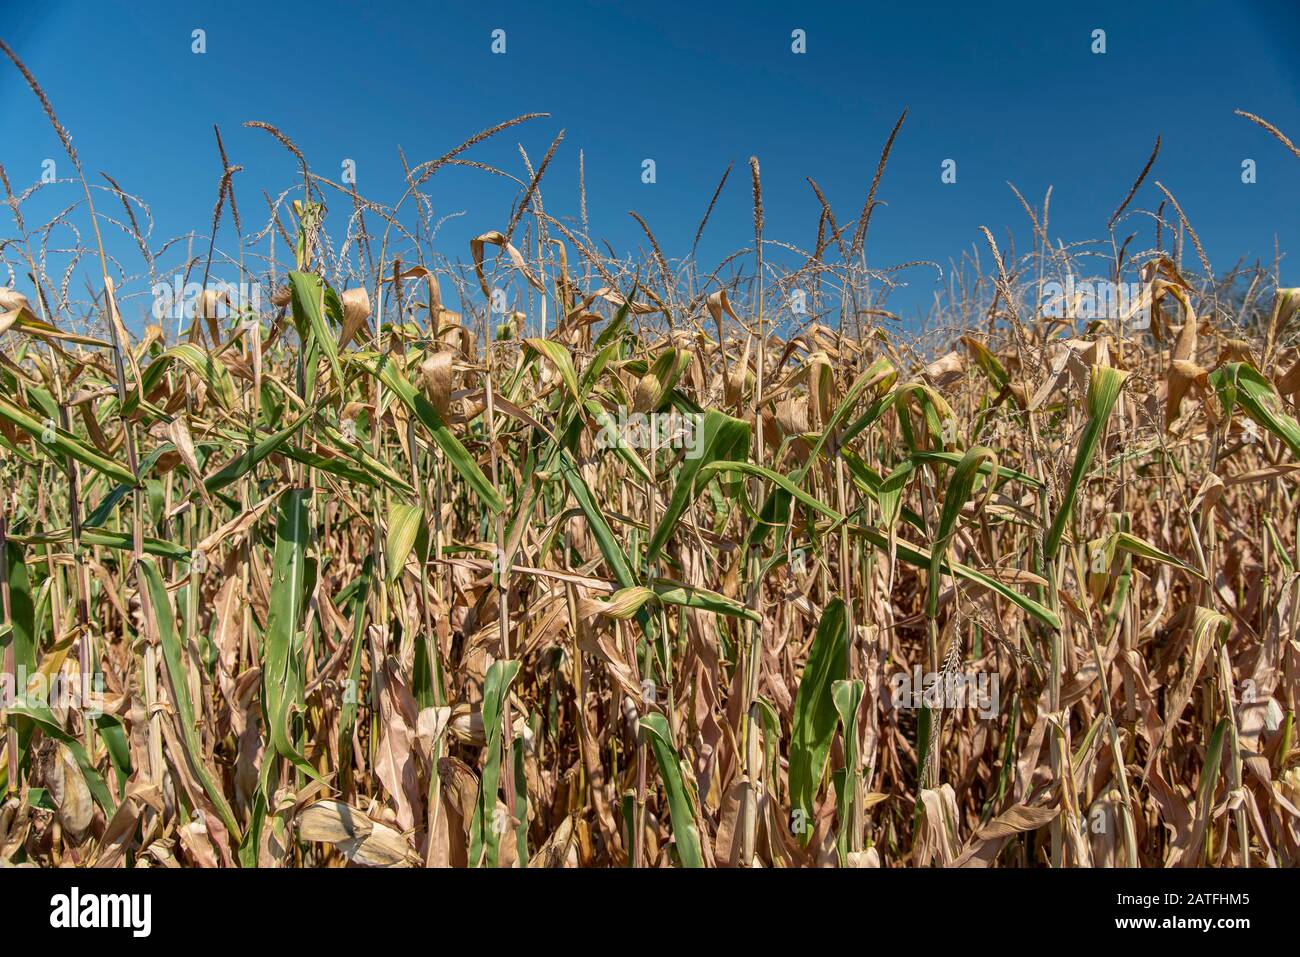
631 568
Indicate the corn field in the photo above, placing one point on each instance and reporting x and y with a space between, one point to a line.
546 557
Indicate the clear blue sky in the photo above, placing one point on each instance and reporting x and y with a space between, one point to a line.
1011 91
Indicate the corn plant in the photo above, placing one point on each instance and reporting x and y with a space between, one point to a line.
623 562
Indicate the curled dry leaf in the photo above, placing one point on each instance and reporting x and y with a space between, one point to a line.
356 310
361 840
70 794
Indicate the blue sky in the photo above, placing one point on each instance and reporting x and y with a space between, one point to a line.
1011 91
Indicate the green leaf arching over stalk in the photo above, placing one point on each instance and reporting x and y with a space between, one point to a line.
815 716
1103 393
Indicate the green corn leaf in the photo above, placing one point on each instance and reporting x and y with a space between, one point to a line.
22 609
1240 384
1127 542
847 696
677 593
749 468
937 416
880 377
960 488
1219 740
242 464
44 719
987 361
22 634
404 524
953 458
178 682
60 445
723 437
308 301
660 378
919 555
364 459
560 358
610 549
208 367
611 436
282 670
485 836
106 538
385 369
348 711
681 809
814 711
1103 392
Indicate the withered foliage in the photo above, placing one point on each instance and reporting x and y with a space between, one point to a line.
628 563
